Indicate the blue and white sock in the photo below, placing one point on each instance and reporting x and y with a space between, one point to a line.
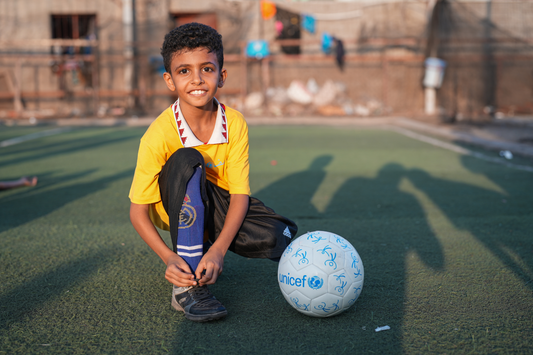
191 223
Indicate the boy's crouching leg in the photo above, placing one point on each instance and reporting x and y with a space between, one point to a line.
182 187
263 234
173 182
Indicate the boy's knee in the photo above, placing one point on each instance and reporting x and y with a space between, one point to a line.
181 160
186 156
176 173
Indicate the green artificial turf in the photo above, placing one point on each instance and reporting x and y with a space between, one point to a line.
445 240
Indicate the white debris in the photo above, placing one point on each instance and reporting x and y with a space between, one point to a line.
312 86
374 105
327 94
506 154
499 115
340 86
379 329
102 110
277 95
254 101
298 93
361 110
348 109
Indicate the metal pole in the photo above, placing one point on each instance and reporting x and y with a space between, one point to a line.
244 72
127 23
17 100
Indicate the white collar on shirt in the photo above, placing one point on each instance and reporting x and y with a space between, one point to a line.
188 139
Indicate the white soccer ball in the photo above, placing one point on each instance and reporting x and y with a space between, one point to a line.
320 274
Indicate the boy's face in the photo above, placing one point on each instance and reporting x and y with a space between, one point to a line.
195 75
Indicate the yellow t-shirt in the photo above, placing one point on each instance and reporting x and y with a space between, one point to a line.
226 163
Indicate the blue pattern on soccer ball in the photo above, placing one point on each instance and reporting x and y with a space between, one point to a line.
357 272
340 288
322 307
336 306
315 282
339 277
356 291
302 306
331 262
288 250
355 261
325 250
342 243
315 238
302 255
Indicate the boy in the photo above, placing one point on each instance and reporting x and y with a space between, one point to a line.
192 178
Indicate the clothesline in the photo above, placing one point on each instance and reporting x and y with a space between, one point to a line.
268 10
337 16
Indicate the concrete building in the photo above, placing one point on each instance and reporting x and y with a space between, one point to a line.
101 57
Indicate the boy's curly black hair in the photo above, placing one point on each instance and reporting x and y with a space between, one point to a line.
190 36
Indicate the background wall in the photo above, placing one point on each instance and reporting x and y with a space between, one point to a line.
487 46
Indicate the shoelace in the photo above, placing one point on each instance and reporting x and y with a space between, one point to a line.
199 293
203 297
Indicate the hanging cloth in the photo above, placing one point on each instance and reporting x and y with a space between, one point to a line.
308 23
339 53
257 49
279 28
268 9
327 42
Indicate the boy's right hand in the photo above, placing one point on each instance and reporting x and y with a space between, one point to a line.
178 272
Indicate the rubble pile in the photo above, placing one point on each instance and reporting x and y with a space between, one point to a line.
309 98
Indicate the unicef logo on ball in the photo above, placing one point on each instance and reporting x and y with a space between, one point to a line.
320 274
315 282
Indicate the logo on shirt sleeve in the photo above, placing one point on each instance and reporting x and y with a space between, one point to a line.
211 165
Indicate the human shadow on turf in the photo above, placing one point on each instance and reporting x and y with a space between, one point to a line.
384 223
25 300
382 201
293 194
248 287
481 211
23 205
63 147
387 226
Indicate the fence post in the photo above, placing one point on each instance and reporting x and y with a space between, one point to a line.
95 77
244 72
384 79
17 99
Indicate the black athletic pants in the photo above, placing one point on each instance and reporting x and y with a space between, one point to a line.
263 234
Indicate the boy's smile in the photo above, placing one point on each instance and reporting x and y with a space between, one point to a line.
195 76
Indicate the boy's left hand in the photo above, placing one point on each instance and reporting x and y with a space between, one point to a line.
210 267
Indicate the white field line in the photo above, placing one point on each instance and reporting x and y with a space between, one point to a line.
29 137
458 149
